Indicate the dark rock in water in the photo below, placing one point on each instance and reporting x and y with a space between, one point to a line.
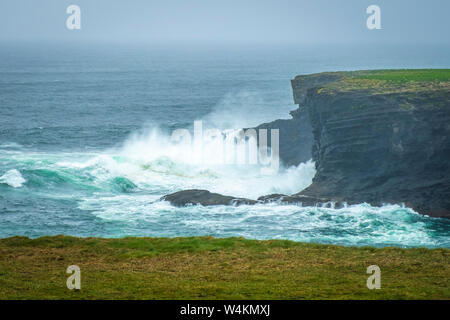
309 201
275 197
305 201
380 141
285 199
301 200
204 198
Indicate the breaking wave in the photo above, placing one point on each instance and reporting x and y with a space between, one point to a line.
13 178
117 193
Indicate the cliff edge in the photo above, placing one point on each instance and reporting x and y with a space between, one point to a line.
380 136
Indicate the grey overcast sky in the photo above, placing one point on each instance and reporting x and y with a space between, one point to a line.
231 21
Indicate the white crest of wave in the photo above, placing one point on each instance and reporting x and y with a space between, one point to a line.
13 178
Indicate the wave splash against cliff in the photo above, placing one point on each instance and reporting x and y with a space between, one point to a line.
116 193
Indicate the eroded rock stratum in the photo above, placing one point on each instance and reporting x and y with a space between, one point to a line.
380 136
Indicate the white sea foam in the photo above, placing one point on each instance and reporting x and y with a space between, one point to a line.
138 211
13 178
152 158
355 225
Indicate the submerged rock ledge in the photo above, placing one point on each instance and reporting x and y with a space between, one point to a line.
203 197
206 198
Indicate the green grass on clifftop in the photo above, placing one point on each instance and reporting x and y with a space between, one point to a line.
406 75
208 268
390 81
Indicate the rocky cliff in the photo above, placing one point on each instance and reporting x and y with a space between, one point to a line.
380 136
295 140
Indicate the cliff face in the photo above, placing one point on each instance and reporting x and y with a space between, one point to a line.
295 140
380 137
375 136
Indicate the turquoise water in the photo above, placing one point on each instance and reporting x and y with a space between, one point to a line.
85 150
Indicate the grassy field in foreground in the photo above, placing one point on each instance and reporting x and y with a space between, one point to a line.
208 268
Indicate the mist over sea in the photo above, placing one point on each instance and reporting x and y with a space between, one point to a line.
85 142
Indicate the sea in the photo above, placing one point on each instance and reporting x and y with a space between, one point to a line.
86 143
